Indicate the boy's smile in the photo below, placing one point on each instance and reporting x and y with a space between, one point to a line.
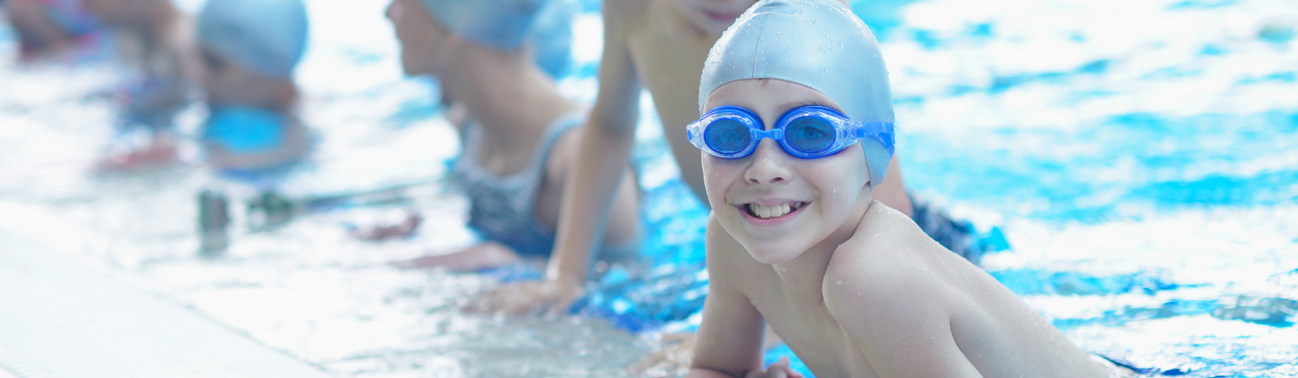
777 205
779 210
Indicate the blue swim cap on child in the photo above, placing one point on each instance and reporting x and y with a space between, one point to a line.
503 24
551 37
267 36
245 130
816 43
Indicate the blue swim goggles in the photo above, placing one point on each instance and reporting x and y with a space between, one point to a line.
807 132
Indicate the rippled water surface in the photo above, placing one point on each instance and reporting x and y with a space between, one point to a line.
1140 159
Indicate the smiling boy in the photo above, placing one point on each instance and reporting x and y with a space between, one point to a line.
795 239
658 45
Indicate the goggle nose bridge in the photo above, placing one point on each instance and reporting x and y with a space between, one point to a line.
776 134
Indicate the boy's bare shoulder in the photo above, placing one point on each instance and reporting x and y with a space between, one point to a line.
886 263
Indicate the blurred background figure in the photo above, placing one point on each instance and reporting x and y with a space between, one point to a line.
550 42
50 29
250 49
519 133
253 134
156 43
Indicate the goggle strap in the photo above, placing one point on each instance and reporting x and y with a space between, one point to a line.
881 131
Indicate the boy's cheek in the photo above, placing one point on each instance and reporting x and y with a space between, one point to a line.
712 179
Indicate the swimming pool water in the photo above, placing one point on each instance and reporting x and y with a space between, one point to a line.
1141 159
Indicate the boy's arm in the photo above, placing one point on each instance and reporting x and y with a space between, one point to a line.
603 153
900 317
729 342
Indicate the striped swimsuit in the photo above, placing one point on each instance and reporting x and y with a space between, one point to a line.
501 208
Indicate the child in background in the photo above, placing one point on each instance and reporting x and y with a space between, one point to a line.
157 41
519 133
250 49
796 239
50 28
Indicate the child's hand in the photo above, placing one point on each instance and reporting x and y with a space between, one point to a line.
672 361
551 296
780 369
481 256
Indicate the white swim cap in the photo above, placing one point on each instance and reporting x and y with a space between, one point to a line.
816 43
267 36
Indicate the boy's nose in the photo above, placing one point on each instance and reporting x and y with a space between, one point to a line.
769 164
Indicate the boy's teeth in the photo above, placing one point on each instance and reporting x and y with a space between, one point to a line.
765 212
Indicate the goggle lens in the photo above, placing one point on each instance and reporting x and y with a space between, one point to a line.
809 134
727 136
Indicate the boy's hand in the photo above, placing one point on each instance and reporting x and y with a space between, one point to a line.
780 369
551 296
672 361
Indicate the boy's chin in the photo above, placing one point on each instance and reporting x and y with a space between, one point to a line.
771 255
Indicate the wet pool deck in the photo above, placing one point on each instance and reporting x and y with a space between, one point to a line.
59 318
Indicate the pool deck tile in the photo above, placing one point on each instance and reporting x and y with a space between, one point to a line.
59 318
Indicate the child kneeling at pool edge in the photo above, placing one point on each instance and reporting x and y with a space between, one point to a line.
854 287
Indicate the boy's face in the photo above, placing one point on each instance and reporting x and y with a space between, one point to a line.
820 193
712 16
424 42
229 83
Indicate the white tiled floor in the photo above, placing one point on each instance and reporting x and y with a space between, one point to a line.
62 319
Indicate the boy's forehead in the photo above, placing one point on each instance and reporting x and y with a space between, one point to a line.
767 95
